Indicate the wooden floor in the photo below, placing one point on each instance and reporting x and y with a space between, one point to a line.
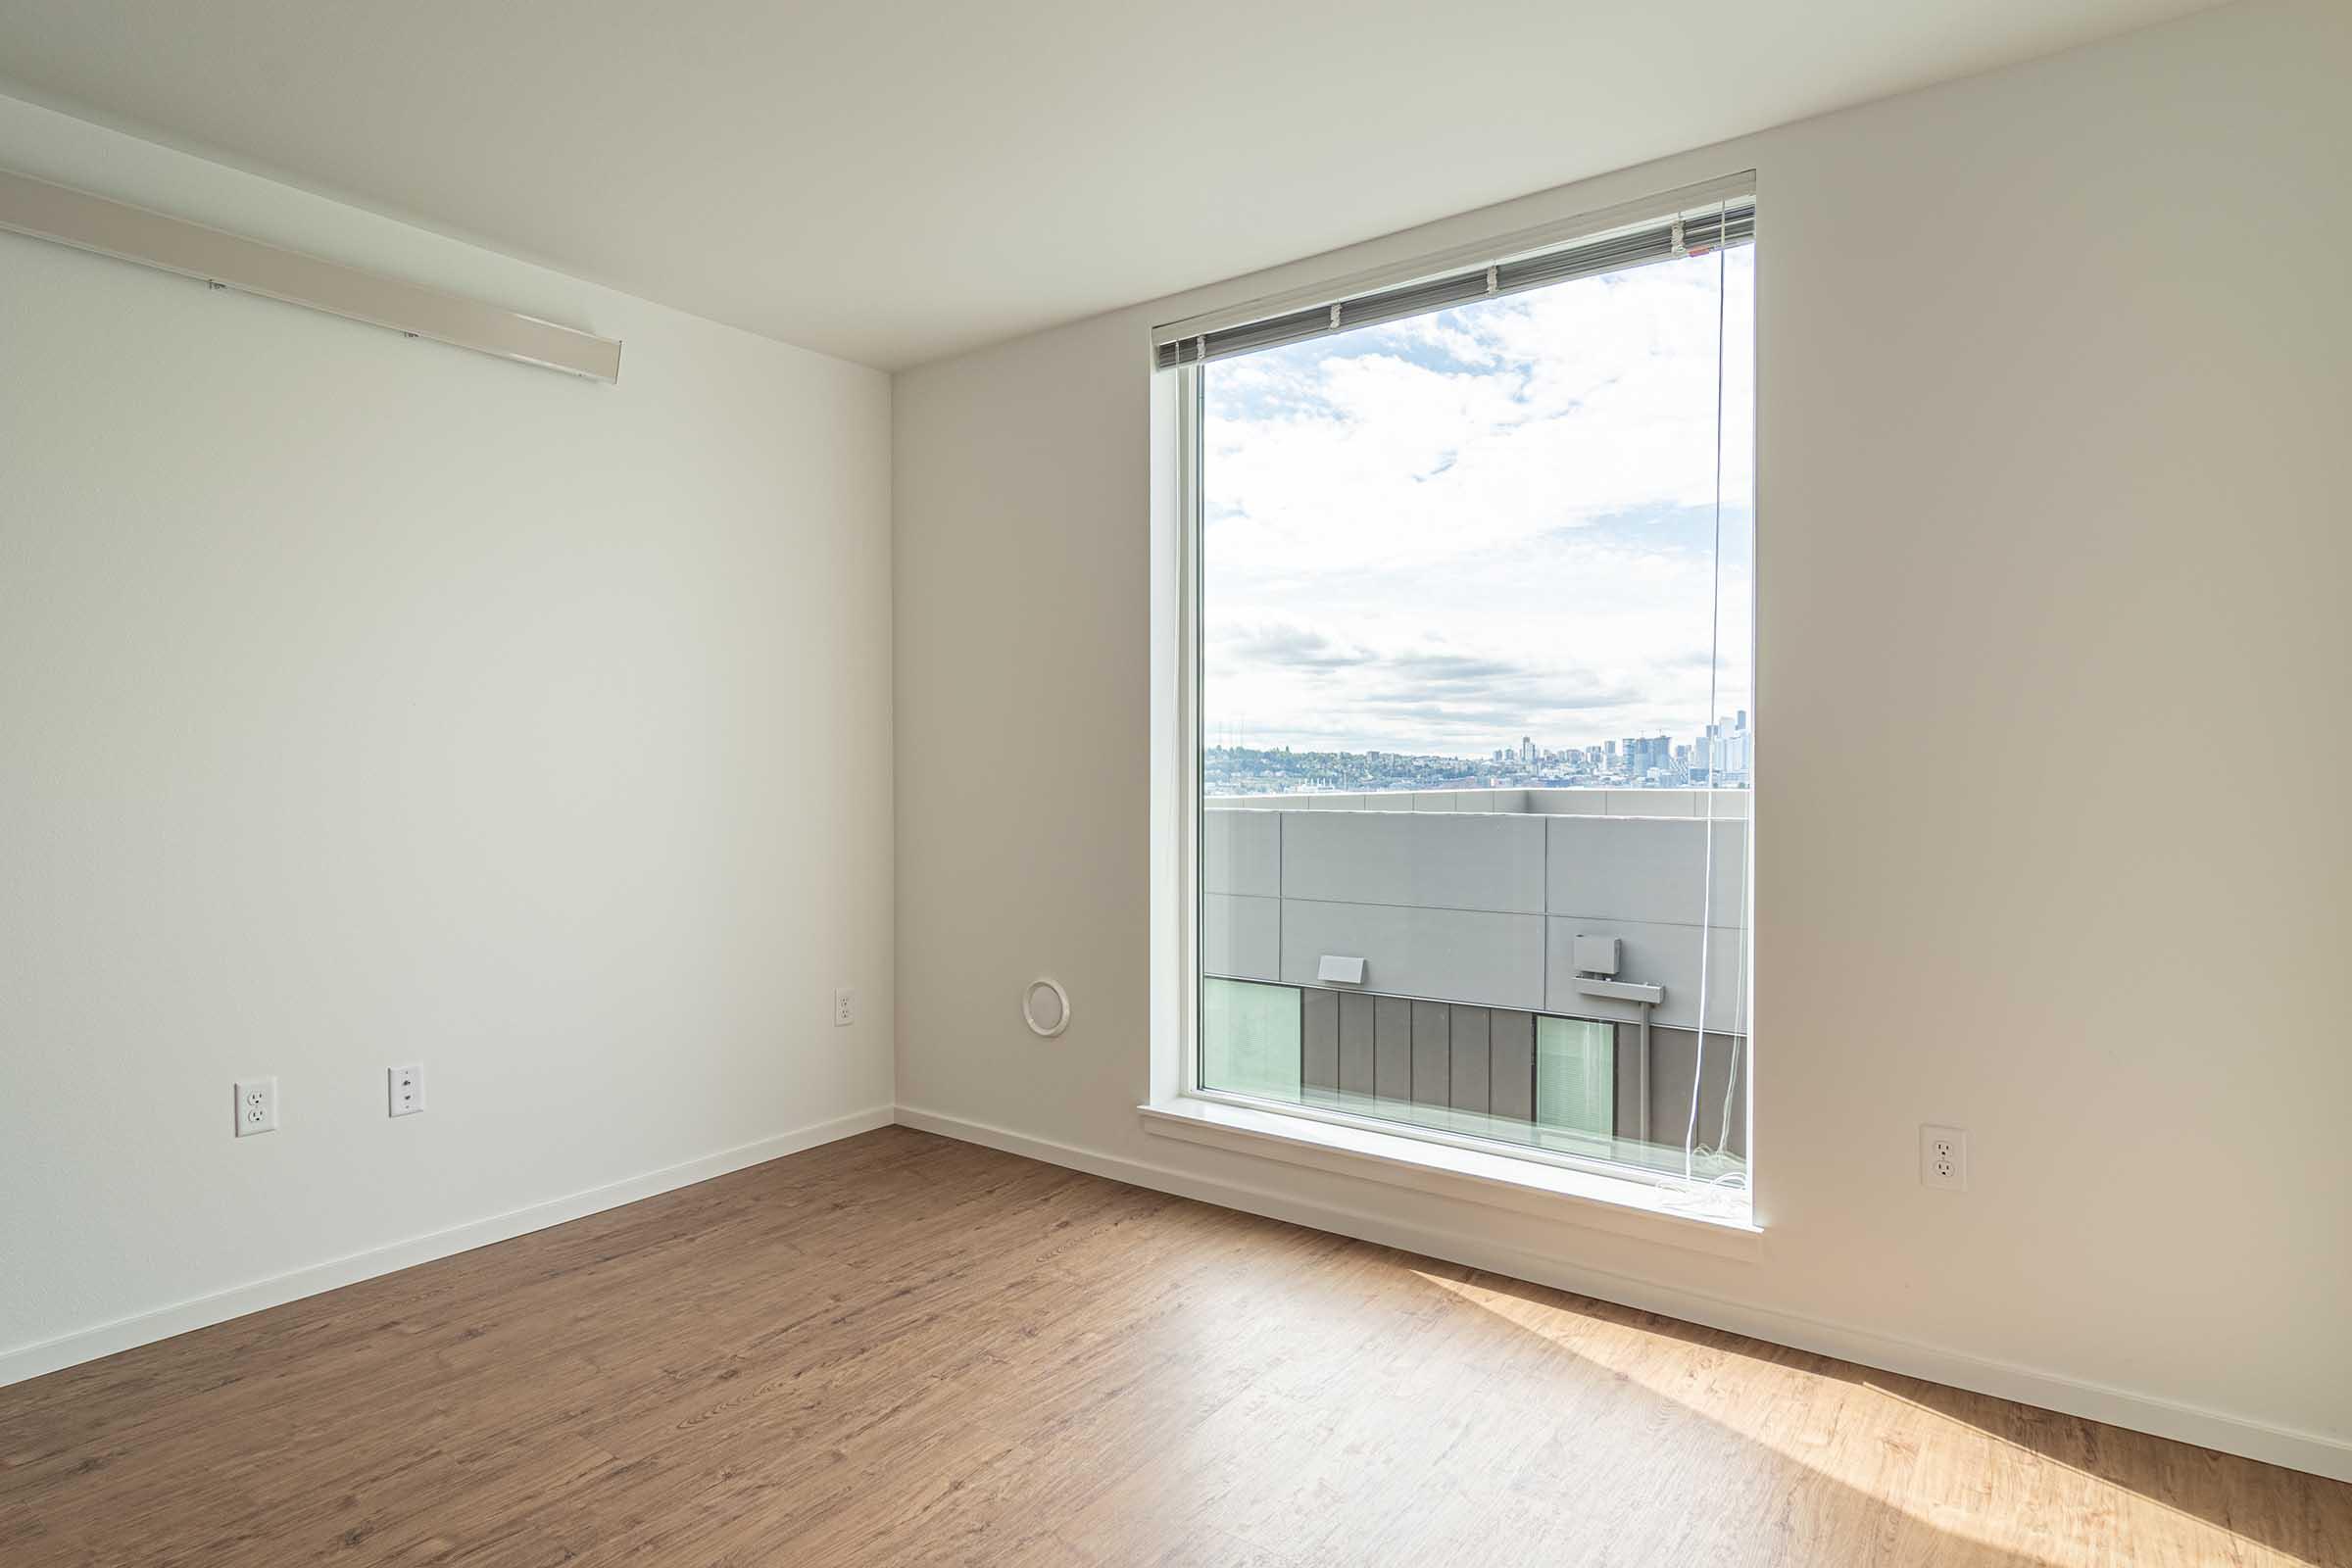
903 1350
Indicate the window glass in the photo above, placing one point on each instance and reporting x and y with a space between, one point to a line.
1476 736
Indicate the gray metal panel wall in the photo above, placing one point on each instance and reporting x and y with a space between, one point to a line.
1673 1057
1319 1045
1392 1048
1645 871
1433 1053
1241 938
1511 1048
1457 955
1355 1043
1657 955
1241 852
1469 1062
1445 860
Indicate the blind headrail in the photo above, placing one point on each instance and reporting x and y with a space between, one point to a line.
1691 221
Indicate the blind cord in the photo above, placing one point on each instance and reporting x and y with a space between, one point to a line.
1706 929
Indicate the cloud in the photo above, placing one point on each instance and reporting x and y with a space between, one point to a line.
1290 647
1455 669
1501 519
1281 684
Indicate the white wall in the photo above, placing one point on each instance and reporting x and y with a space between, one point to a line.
2055 375
367 701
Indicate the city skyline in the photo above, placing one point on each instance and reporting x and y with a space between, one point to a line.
1721 755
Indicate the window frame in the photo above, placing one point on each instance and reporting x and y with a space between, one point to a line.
1190 541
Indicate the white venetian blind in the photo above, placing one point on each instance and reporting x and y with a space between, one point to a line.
1688 227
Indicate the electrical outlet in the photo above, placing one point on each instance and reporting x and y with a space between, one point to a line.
406 1088
845 1007
1943 1158
257 1106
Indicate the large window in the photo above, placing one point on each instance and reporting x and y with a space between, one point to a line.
1473 720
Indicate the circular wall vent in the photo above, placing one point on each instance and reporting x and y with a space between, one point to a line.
1047 1008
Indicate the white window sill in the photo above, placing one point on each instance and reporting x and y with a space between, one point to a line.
1558 1192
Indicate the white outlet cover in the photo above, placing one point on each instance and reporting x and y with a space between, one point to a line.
1943 1158
255 1106
845 1007
403 1088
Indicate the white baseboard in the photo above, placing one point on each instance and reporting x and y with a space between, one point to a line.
145 1328
2309 1451
2212 1428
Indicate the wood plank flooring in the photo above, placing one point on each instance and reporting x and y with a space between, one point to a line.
899 1348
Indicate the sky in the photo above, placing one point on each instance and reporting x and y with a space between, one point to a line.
1442 534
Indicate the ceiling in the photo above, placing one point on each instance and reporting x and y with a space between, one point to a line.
896 180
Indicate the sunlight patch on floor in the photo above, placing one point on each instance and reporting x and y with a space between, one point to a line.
1944 1471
